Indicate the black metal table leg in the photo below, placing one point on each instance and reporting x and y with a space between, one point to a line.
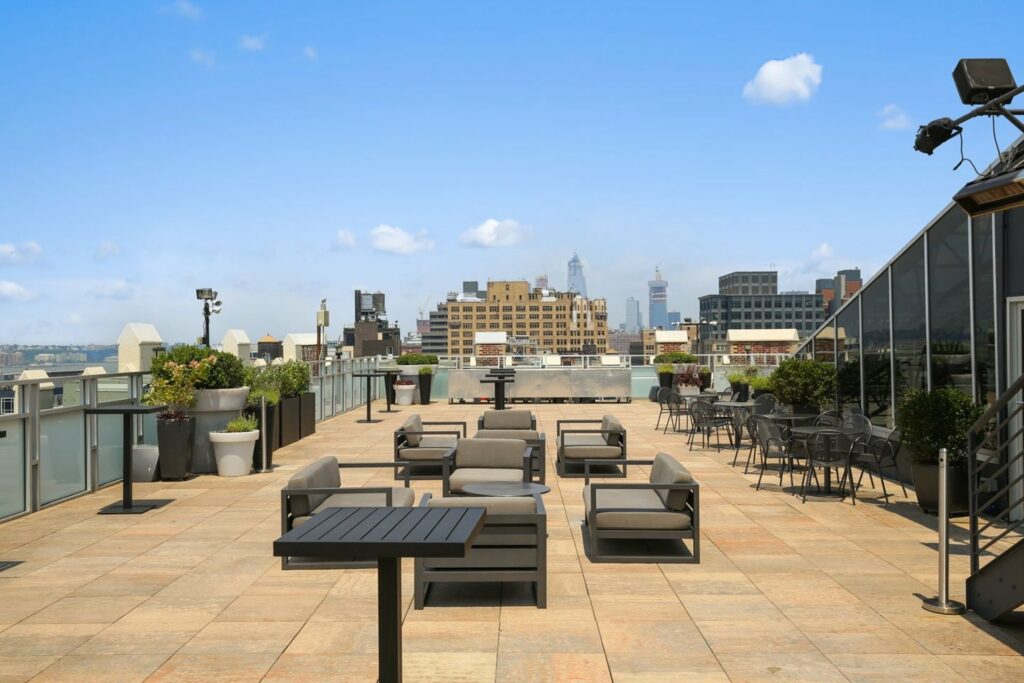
369 390
389 619
127 506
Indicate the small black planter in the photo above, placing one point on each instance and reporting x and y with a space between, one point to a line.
291 430
759 392
740 392
389 388
307 414
269 430
926 485
425 382
174 439
665 379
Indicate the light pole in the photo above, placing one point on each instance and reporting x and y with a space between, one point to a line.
206 295
323 320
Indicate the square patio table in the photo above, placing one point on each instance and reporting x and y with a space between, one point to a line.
385 535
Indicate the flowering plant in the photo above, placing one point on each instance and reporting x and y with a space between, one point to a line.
404 382
175 387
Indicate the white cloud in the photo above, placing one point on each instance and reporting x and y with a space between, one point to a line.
184 9
202 58
344 239
781 81
310 53
893 118
252 43
107 250
75 319
113 289
20 253
397 241
12 291
494 233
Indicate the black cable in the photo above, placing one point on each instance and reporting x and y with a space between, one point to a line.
999 151
960 134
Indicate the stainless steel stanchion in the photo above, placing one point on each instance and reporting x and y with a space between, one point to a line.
942 604
264 432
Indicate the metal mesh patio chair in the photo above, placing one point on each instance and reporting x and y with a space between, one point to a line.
878 456
832 451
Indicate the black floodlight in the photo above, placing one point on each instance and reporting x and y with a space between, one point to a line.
206 294
934 134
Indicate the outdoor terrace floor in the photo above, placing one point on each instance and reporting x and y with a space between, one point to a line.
785 591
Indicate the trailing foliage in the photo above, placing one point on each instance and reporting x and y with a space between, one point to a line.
675 357
417 359
804 382
941 418
226 370
242 423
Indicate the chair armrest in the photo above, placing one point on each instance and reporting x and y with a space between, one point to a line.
433 432
527 463
286 493
425 499
395 464
447 423
559 423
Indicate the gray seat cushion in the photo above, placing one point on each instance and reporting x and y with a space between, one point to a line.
413 423
319 474
475 475
400 498
587 447
645 511
668 470
502 453
511 505
508 419
432 447
524 434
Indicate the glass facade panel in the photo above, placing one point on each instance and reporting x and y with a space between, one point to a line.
12 467
984 311
848 358
876 352
908 320
61 455
949 305
824 343
110 430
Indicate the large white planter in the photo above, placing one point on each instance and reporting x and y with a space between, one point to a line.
233 452
403 394
213 410
414 370
216 400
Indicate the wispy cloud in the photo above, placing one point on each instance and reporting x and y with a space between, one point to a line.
112 289
893 118
394 240
12 291
106 250
184 9
202 58
252 43
494 233
343 239
310 53
783 81
25 252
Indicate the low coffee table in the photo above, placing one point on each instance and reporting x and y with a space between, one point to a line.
504 489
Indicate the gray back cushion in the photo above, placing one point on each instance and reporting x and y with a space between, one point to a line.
508 419
319 474
513 505
610 422
412 424
668 470
496 453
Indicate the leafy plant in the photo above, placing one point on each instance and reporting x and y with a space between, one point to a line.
175 386
294 378
242 423
752 371
417 359
941 418
704 371
804 382
675 357
760 383
226 370
690 377
263 383
426 371
738 377
664 369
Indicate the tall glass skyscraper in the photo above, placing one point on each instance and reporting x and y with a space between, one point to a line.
633 321
574 281
657 301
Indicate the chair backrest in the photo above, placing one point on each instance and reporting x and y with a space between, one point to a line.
508 419
828 419
511 505
413 423
767 433
675 401
663 394
319 474
612 429
765 403
727 395
701 412
490 453
751 425
668 470
858 426
830 447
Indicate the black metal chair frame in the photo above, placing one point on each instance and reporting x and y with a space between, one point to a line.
841 462
450 464
881 454
399 440
561 466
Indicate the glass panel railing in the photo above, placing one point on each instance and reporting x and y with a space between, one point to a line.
110 389
109 450
642 378
61 455
12 467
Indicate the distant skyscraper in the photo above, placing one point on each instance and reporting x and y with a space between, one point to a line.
542 282
657 301
633 323
575 282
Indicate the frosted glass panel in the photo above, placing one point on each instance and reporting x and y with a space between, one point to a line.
12 468
113 389
110 435
62 455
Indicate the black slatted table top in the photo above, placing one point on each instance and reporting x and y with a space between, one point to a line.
373 533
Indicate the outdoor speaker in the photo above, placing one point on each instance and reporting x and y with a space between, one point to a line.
981 80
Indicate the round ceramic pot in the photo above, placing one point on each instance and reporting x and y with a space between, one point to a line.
233 452
403 394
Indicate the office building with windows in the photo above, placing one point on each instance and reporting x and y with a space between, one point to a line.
750 300
657 301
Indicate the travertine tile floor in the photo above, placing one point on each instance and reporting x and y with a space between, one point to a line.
785 591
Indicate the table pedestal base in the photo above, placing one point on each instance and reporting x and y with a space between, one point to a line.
137 507
369 421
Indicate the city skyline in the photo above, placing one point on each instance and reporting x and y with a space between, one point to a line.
282 156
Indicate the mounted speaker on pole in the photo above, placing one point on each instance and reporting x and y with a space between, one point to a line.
981 80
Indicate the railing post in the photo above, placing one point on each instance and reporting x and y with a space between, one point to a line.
972 496
942 604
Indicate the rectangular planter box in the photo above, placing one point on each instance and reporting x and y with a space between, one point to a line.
290 411
270 431
307 414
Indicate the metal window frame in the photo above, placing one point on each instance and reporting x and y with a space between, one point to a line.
927 314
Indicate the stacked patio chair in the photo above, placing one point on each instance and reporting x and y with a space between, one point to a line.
607 443
485 460
423 446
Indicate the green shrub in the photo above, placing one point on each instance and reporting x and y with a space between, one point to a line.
738 377
242 423
760 383
664 369
675 357
426 371
704 371
804 382
294 378
941 418
175 386
417 359
226 370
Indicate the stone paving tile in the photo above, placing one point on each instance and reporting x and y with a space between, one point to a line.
785 590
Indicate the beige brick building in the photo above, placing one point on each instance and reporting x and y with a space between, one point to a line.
553 322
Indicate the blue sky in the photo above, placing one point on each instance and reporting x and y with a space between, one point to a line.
285 152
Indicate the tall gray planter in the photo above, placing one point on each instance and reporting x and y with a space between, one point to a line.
213 410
